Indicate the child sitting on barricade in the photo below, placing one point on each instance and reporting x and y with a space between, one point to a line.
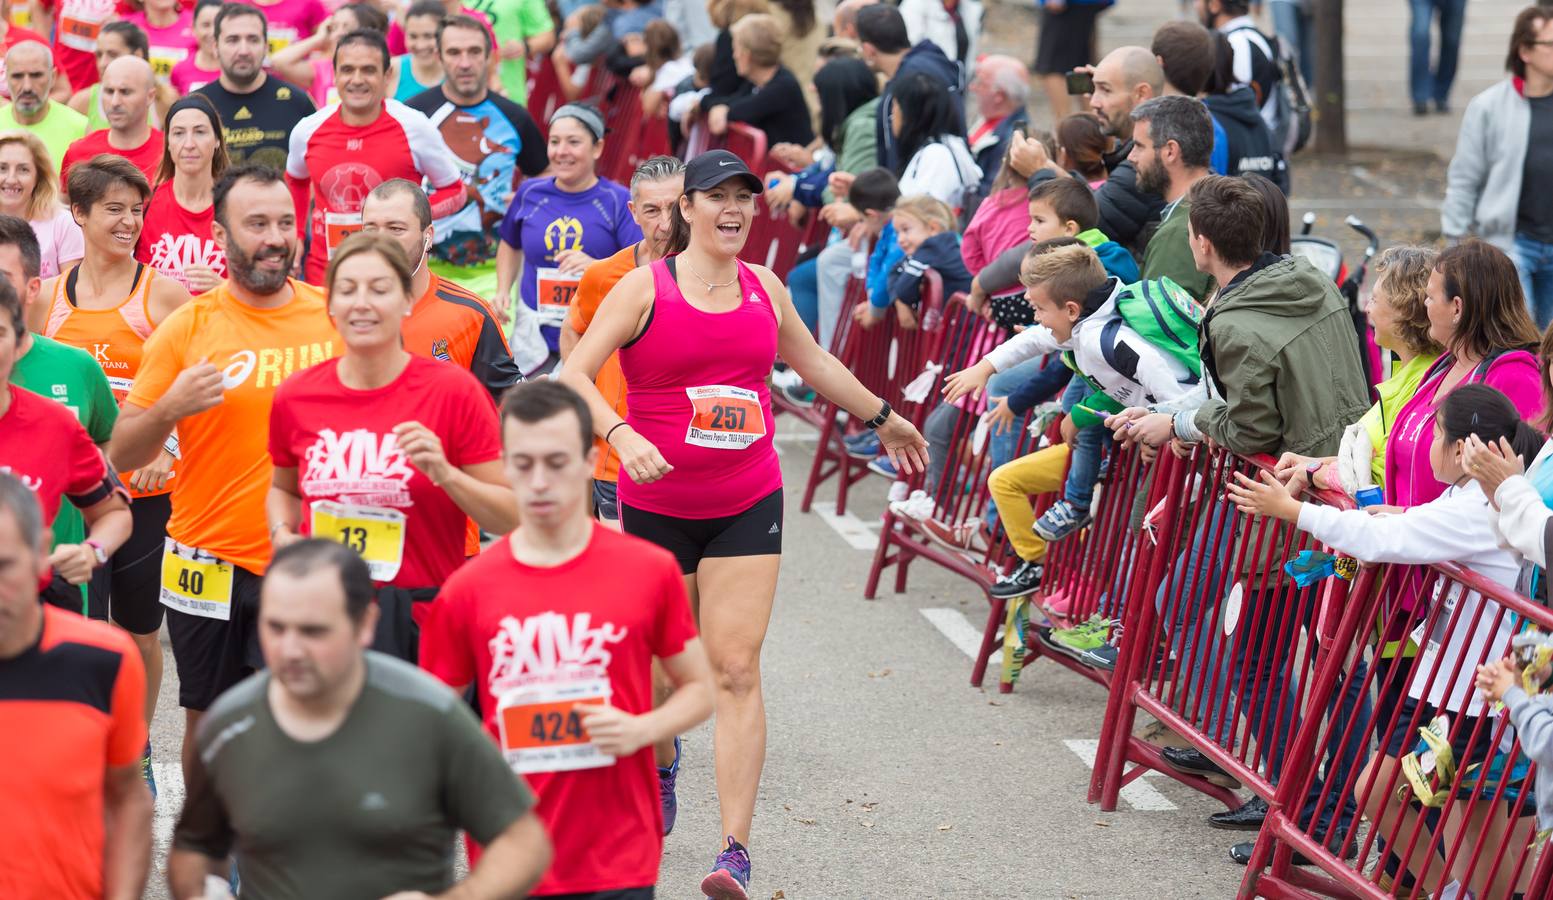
1465 629
924 228
1109 334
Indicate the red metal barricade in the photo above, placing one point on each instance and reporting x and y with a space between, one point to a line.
1471 821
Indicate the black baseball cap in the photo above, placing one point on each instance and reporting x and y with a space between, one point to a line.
715 167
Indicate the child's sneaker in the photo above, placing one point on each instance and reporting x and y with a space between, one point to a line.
730 876
666 795
966 537
1022 581
864 445
882 465
1061 520
918 506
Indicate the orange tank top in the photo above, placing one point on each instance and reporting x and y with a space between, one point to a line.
113 336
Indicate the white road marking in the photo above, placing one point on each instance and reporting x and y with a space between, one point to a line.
960 632
1140 795
852 529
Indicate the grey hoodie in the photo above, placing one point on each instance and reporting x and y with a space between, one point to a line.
1483 183
1533 721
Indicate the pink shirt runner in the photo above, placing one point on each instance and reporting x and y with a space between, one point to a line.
697 382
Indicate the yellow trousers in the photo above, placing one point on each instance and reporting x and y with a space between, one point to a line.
1011 486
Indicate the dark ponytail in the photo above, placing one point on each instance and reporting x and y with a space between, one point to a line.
1481 410
679 229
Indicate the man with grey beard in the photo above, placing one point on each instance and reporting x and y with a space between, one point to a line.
29 73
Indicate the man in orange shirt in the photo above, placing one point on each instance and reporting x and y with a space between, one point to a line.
447 321
75 816
210 370
655 188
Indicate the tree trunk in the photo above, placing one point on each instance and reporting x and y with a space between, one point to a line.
1331 128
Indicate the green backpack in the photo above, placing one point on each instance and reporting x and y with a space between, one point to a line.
1165 315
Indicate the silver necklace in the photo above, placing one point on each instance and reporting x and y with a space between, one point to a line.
709 285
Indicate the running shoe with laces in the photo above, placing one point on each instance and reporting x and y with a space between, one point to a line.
1061 520
146 773
1085 642
730 876
881 465
966 537
666 779
1022 581
864 445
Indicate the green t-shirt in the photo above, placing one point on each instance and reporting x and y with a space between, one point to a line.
69 375
368 811
514 20
61 127
1169 253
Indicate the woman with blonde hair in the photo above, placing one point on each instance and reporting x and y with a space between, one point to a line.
29 189
770 97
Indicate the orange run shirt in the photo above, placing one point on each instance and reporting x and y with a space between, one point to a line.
596 284
71 708
224 470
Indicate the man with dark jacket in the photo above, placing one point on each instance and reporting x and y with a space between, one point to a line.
888 50
1252 150
1126 77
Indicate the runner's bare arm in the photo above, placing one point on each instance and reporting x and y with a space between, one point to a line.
140 433
510 866
509 263
283 507
620 733
186 873
166 296
109 524
569 339
621 317
480 489
823 372
127 849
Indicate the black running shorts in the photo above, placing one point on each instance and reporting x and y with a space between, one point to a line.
756 531
131 586
211 654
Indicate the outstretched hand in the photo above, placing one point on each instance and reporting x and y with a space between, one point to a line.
1263 496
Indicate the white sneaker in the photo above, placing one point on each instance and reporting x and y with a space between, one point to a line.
918 506
785 378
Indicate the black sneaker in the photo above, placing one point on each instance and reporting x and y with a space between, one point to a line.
1241 854
1022 582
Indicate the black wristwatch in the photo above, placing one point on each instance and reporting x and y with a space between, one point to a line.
876 421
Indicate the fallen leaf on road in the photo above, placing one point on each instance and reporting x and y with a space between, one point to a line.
1104 824
882 673
868 824
804 821
945 827
870 805
779 896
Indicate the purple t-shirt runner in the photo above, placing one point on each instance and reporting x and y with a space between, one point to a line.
544 221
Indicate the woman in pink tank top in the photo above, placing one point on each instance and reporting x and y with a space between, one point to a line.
697 334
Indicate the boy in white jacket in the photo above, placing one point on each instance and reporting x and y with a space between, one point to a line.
1075 313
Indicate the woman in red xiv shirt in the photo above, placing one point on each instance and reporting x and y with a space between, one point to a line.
351 466
697 334
176 240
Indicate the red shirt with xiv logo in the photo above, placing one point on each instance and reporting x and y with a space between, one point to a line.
342 444
537 640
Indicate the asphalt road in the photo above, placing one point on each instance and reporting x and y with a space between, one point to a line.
888 775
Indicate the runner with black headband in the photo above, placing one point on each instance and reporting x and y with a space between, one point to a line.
697 334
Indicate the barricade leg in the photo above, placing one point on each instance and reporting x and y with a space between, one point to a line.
989 640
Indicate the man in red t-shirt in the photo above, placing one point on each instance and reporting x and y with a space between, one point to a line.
75 816
558 624
126 89
341 152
